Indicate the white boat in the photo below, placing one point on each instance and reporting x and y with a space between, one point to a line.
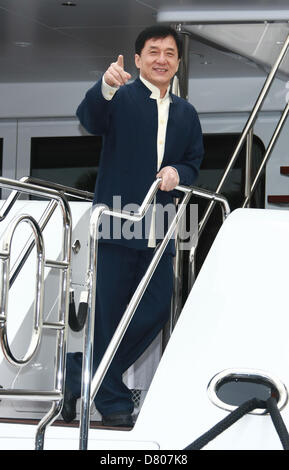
226 339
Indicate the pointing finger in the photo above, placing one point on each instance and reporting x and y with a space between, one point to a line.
120 61
115 74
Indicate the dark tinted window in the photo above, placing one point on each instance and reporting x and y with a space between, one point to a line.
219 149
71 161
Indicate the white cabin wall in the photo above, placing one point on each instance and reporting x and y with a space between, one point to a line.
59 99
38 100
235 94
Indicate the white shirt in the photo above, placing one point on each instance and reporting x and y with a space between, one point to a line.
163 105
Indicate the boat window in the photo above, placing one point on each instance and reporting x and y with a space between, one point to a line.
219 149
237 390
231 388
1 161
71 161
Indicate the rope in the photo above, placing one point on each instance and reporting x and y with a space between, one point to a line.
238 413
278 422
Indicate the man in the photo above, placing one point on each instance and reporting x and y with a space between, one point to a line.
147 133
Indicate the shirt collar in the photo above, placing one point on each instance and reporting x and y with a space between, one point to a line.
154 89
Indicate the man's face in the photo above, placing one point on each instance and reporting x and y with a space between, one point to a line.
158 61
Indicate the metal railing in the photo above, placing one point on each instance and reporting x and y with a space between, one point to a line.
45 217
90 386
267 155
247 135
177 301
60 326
55 193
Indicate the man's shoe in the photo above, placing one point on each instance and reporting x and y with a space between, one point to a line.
69 406
118 420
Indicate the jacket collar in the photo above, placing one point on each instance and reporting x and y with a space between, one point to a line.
151 89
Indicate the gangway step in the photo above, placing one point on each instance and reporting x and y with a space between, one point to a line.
35 395
61 423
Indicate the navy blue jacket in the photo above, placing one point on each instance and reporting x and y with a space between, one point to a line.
129 125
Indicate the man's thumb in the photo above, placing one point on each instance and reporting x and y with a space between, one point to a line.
120 61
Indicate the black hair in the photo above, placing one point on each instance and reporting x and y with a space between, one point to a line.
157 31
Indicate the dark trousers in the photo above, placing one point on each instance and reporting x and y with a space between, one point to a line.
120 270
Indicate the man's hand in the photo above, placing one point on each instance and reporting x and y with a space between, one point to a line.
116 75
170 178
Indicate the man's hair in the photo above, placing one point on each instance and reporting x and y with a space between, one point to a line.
157 31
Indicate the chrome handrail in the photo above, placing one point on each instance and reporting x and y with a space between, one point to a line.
29 245
91 385
66 190
5 254
246 134
268 152
56 395
46 216
177 297
91 290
